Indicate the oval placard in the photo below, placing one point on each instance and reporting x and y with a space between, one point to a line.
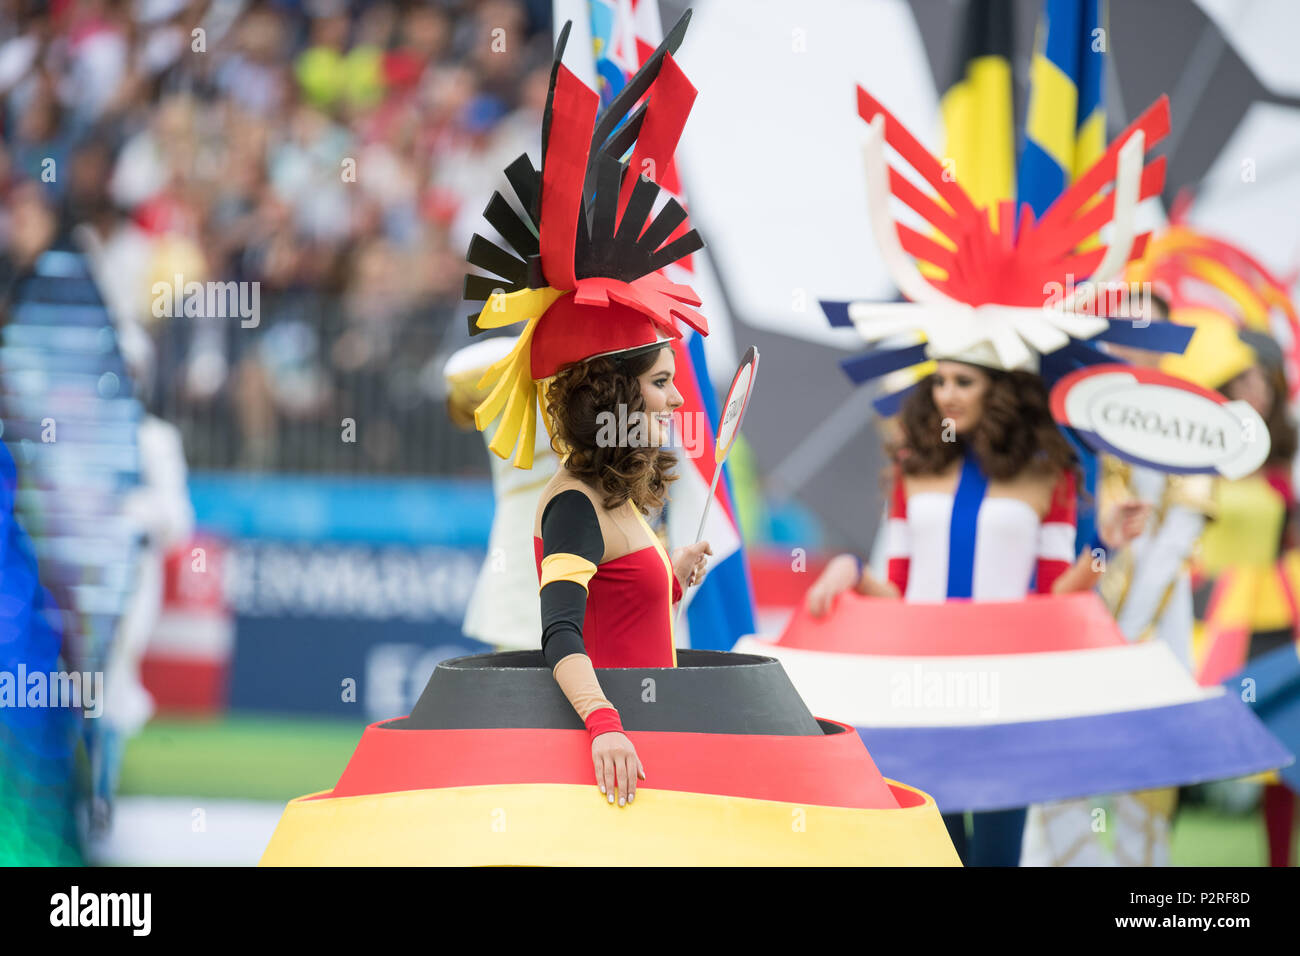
733 409
1160 421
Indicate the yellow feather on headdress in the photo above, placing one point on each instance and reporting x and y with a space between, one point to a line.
513 391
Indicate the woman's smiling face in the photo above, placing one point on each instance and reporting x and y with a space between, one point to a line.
959 391
660 395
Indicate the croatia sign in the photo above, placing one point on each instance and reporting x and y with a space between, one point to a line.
1151 418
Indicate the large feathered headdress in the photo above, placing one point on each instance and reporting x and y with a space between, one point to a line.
1018 295
583 274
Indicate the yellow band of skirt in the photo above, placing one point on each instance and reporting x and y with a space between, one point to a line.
573 825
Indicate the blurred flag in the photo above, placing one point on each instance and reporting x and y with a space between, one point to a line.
577 57
978 116
721 610
979 148
1065 128
1065 133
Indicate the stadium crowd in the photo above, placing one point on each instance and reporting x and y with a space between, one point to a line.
335 153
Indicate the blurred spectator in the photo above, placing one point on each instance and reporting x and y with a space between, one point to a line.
337 153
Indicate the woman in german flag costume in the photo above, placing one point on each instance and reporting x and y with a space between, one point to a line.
597 317
496 761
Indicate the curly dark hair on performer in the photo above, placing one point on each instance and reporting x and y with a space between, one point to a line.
1015 431
575 398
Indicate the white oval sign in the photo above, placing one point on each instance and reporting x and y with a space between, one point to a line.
1157 420
737 398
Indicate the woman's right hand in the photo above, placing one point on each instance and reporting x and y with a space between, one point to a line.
841 574
617 766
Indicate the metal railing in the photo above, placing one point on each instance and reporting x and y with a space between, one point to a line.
316 386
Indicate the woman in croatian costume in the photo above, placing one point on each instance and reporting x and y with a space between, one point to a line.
983 499
598 314
1247 573
982 507
981 440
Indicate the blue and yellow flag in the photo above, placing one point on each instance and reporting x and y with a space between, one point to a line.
979 140
1065 128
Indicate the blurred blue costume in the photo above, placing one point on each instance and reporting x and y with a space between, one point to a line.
37 744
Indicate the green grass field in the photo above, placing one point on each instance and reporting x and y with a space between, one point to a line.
1203 837
277 758
244 757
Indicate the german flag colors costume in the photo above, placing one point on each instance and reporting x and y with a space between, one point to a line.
493 765
583 277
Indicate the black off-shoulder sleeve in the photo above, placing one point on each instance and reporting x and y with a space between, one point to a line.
572 546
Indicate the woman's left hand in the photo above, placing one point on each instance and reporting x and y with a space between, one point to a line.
691 564
1122 522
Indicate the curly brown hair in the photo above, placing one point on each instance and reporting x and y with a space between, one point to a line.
575 399
1015 431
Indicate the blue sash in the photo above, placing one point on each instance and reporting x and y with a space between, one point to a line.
961 531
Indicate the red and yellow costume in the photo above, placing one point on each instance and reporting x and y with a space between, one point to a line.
585 280
1247 574
619 612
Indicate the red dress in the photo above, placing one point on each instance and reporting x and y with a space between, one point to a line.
629 616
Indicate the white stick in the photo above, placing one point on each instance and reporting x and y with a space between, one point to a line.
708 503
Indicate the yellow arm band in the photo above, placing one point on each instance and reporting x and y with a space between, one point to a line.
563 566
